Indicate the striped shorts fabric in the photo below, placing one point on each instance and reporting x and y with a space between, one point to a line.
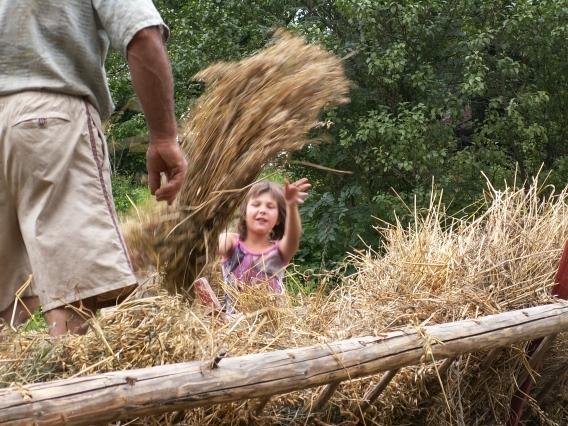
57 217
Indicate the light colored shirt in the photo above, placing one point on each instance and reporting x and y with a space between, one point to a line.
61 45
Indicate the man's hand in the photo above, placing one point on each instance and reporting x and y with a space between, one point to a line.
166 157
297 192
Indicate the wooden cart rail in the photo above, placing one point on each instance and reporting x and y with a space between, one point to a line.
154 390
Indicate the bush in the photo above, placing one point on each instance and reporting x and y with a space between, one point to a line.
125 192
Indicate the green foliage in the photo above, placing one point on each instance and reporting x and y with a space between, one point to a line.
273 173
201 32
128 163
36 322
443 90
124 190
303 284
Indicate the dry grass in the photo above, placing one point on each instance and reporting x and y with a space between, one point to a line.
274 309
435 270
441 270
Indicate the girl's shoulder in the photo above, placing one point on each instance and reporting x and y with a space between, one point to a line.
232 240
227 243
233 237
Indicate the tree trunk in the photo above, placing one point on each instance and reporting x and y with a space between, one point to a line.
154 390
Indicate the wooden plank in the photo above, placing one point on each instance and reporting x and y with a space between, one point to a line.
373 393
490 357
537 358
127 394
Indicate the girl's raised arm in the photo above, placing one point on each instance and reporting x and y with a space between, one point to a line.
227 242
294 194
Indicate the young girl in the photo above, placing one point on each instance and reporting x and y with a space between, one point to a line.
268 236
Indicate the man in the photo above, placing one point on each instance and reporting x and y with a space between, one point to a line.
57 218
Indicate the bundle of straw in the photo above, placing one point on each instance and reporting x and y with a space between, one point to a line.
260 298
252 111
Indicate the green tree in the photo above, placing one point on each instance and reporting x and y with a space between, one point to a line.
442 90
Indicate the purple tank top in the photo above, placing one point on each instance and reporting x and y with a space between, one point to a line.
247 268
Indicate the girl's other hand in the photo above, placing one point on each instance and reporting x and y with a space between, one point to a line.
297 192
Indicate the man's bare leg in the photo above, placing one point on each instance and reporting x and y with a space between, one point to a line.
70 319
22 313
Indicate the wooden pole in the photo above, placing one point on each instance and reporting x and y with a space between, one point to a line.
323 397
154 390
537 359
261 404
490 357
445 366
537 350
372 394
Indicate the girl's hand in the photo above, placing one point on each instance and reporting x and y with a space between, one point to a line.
297 192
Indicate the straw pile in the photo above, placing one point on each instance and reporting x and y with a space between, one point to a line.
442 270
252 111
435 270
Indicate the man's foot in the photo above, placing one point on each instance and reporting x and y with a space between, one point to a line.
70 319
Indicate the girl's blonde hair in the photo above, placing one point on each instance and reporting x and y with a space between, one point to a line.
277 193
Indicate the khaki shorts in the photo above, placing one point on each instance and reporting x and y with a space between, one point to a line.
57 217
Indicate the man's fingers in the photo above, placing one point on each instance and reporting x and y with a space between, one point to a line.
169 190
165 194
169 159
153 181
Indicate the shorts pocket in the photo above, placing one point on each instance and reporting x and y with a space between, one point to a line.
38 140
41 120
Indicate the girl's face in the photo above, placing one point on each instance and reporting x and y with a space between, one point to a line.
261 214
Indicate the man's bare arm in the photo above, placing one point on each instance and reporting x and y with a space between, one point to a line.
152 78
